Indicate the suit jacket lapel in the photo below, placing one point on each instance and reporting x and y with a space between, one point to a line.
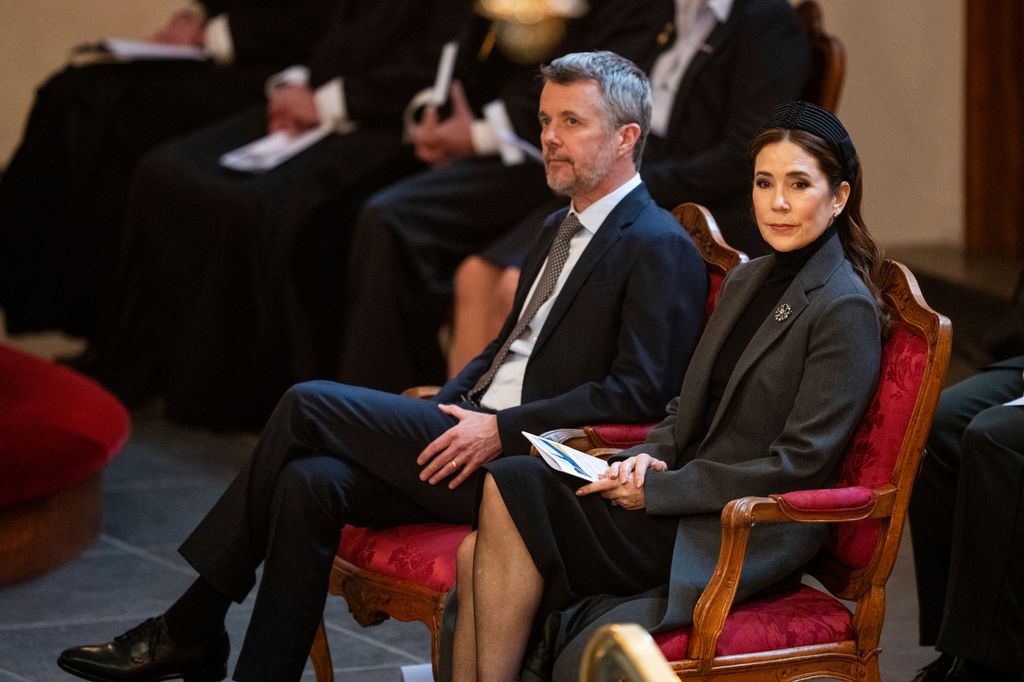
742 287
812 276
606 236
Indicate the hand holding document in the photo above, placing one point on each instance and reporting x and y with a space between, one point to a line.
567 460
271 151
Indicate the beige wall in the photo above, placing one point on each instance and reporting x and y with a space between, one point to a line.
903 103
903 98
35 36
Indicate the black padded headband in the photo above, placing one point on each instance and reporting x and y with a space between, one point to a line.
800 115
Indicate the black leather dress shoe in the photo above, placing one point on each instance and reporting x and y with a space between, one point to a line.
146 653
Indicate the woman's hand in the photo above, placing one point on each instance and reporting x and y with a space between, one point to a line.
622 483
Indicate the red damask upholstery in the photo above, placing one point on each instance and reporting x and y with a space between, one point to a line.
800 618
421 553
871 456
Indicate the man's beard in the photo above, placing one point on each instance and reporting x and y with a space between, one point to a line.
582 179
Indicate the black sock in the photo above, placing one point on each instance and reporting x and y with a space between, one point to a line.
198 615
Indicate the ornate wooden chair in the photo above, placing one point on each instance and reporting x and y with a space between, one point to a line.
828 58
406 572
805 632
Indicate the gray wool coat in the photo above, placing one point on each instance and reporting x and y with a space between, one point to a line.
792 402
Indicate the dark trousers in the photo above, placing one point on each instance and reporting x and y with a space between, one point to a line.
967 521
331 454
407 242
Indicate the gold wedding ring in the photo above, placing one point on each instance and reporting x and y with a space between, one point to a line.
454 465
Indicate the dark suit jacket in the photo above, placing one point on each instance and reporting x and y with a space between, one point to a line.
273 33
794 399
758 58
386 51
619 335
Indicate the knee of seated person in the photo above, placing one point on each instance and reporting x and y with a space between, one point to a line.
473 277
992 426
507 287
299 396
464 556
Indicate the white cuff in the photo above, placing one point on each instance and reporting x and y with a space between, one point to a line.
217 39
293 75
485 138
500 126
330 106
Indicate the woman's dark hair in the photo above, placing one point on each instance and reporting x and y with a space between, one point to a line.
859 246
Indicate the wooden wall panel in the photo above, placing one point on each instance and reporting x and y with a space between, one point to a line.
994 141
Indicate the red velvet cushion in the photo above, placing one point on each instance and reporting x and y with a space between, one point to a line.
829 499
623 435
871 456
800 618
421 553
57 428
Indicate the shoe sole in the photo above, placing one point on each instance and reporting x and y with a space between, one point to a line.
200 676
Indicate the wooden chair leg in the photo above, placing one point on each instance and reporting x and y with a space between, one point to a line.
320 654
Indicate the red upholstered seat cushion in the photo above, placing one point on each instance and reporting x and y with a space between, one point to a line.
871 456
799 618
422 553
57 428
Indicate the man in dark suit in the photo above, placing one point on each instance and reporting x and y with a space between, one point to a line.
609 311
62 197
967 526
259 262
729 64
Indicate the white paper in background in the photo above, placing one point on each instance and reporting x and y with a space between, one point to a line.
418 673
567 460
271 151
140 50
445 69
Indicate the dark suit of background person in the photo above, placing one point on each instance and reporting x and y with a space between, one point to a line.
774 412
967 525
62 196
417 232
231 291
410 237
614 346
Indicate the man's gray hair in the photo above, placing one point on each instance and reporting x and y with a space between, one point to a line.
624 86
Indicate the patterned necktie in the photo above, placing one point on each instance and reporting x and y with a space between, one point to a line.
557 256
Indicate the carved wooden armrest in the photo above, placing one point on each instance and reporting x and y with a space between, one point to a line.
421 391
604 453
832 505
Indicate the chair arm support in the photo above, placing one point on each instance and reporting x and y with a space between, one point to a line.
740 515
421 391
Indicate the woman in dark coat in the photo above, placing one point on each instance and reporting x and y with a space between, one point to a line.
776 387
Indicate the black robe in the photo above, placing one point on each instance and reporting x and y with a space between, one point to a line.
62 196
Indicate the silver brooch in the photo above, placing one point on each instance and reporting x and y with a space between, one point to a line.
782 312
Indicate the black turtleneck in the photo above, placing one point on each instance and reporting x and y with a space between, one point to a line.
762 304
